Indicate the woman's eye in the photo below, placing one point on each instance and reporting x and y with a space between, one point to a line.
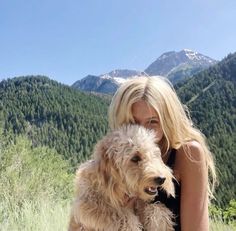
152 123
135 159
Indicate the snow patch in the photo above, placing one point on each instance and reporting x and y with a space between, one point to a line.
119 80
106 76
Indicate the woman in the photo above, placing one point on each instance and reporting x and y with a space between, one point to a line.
153 103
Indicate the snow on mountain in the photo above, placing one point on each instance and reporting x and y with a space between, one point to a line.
195 56
179 65
120 76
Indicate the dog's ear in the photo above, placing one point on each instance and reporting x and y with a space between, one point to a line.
100 150
109 177
101 157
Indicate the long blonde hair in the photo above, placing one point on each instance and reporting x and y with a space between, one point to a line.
175 119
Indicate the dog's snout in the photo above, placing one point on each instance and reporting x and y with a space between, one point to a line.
159 180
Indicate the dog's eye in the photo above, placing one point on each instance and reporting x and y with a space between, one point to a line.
136 159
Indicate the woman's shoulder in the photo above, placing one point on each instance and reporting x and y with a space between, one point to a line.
191 151
190 158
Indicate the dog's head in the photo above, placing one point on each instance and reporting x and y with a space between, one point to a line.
130 163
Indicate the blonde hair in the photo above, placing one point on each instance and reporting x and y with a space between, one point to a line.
175 120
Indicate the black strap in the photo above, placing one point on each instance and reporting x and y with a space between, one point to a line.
171 159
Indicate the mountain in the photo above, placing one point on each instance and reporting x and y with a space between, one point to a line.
106 83
174 65
211 97
52 114
177 66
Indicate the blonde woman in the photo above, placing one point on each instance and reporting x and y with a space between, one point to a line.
153 103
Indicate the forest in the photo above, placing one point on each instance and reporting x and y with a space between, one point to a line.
53 114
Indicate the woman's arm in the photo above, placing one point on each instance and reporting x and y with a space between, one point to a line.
193 175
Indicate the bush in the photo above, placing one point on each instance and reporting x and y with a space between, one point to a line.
30 176
227 216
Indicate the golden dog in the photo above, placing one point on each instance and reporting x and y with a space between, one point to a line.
125 164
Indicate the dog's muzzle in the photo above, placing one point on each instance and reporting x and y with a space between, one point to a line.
153 190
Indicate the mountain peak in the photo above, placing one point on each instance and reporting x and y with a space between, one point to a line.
187 50
166 55
193 55
106 83
123 73
171 62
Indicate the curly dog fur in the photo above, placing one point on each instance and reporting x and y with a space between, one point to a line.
126 163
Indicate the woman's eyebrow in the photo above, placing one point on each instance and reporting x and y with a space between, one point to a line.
146 119
153 117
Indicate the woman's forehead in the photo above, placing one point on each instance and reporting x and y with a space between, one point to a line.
143 110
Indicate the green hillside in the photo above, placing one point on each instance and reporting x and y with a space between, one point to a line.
52 114
211 98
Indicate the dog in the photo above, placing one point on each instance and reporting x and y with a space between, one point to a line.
125 164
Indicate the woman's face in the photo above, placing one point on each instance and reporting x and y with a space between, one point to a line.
146 116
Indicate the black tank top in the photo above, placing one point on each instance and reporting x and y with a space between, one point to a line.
173 203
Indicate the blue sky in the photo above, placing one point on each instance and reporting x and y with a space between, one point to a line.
67 40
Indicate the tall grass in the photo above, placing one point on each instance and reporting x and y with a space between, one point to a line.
220 226
47 215
34 186
41 215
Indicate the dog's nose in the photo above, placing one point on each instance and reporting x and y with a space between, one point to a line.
159 180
